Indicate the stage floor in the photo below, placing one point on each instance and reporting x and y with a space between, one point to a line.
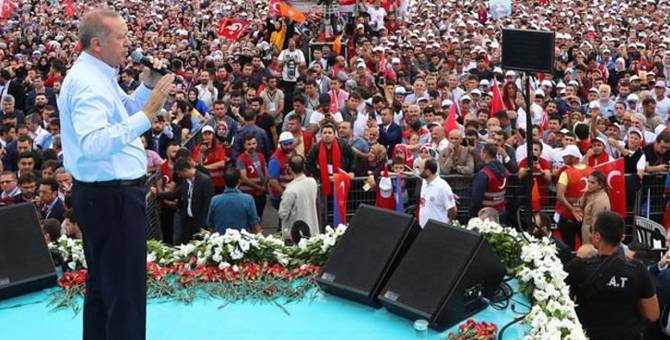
325 317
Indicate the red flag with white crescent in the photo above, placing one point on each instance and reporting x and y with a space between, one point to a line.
7 8
616 184
233 29
69 8
275 8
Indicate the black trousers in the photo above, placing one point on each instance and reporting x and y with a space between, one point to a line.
570 231
259 202
112 221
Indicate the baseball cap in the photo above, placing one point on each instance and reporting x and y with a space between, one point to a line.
659 83
447 103
547 83
476 91
484 82
400 90
635 78
539 93
509 73
466 97
285 137
395 61
635 130
632 98
601 139
660 128
571 150
564 131
207 128
385 187
593 89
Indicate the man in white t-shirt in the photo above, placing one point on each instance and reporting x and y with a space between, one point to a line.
377 14
321 116
290 59
437 200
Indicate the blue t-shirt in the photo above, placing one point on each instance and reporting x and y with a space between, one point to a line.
274 172
232 209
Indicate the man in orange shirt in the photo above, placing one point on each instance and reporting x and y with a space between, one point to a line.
570 187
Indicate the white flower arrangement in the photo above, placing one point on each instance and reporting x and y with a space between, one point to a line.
71 252
553 314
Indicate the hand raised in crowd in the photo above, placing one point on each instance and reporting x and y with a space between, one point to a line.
158 96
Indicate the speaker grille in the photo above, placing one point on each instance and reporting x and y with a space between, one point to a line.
367 251
431 267
24 255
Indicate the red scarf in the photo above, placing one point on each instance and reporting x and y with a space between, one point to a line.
323 165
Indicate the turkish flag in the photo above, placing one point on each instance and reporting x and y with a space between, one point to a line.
340 192
450 123
233 29
69 8
616 184
275 8
497 103
347 2
292 13
7 8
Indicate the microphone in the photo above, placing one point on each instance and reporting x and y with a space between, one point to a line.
138 57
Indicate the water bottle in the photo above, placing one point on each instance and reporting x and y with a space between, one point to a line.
421 328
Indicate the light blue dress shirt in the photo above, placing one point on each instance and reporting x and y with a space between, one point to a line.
100 124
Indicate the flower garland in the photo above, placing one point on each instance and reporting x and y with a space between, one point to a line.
470 330
234 266
541 278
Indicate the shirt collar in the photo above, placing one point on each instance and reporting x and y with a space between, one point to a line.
101 65
229 190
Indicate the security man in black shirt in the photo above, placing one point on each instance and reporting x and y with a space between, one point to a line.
613 294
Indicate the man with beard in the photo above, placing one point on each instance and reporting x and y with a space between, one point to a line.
278 173
258 73
490 184
158 137
437 201
273 99
28 186
32 99
331 153
253 173
221 116
165 177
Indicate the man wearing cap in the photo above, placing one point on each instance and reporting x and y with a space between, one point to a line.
662 101
571 184
596 154
278 173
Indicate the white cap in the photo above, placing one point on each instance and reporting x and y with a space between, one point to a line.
593 89
660 128
659 83
476 91
207 128
378 48
360 26
634 78
509 73
285 137
484 82
465 97
539 93
593 105
547 83
447 103
385 187
361 65
635 130
571 150
395 61
400 90
632 98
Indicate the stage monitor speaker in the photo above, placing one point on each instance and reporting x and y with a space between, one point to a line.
444 276
367 254
528 50
25 262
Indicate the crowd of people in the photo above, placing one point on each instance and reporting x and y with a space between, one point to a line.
395 88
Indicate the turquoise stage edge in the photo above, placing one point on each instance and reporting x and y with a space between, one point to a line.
325 317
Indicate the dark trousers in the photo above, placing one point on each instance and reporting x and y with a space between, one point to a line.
259 202
570 230
184 228
275 204
112 221
167 224
288 87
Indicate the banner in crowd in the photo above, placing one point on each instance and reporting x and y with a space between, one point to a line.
69 8
292 13
233 29
341 184
616 184
500 8
6 9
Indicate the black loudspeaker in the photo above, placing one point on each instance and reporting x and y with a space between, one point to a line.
528 50
25 262
367 254
444 277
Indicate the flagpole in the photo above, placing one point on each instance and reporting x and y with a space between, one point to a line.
529 155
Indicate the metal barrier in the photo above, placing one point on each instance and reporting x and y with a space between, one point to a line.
516 197
153 212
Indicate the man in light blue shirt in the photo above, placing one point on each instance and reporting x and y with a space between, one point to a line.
101 128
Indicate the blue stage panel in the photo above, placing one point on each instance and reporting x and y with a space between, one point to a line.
325 317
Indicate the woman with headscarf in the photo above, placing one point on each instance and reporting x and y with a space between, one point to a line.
374 164
617 74
425 151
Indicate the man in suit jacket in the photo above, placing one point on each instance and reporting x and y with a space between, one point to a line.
39 88
194 192
8 86
9 110
158 138
51 206
390 133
